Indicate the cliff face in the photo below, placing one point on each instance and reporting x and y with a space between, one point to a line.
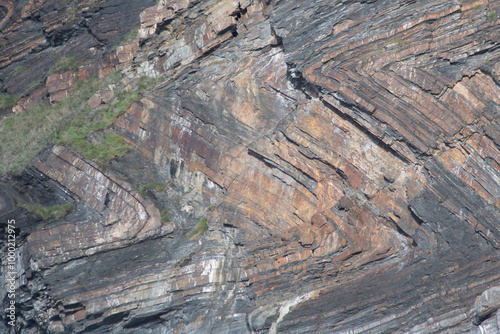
297 167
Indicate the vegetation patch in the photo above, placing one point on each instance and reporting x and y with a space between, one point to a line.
200 228
130 37
7 101
62 65
157 186
25 134
70 122
398 42
49 212
146 83
164 217
111 147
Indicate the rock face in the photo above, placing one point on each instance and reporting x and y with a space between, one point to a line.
343 156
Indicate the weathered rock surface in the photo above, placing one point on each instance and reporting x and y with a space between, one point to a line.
345 154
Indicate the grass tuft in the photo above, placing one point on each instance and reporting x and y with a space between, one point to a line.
54 212
113 146
62 65
130 37
7 101
200 228
164 217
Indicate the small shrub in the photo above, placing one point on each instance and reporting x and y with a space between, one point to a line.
200 228
492 15
45 212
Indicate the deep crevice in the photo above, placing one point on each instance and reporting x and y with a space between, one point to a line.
377 141
299 177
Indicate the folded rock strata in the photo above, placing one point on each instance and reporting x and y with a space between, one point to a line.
345 155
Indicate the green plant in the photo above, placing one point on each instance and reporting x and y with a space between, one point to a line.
72 11
33 84
164 217
55 211
111 147
147 83
398 42
62 65
492 15
69 122
200 228
476 7
401 42
157 186
125 100
25 134
7 101
20 69
131 36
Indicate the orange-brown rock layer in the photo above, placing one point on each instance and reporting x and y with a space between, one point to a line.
301 167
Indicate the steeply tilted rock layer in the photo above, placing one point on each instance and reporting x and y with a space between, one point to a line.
297 167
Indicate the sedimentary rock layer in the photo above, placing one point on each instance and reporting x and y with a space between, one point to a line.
344 157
